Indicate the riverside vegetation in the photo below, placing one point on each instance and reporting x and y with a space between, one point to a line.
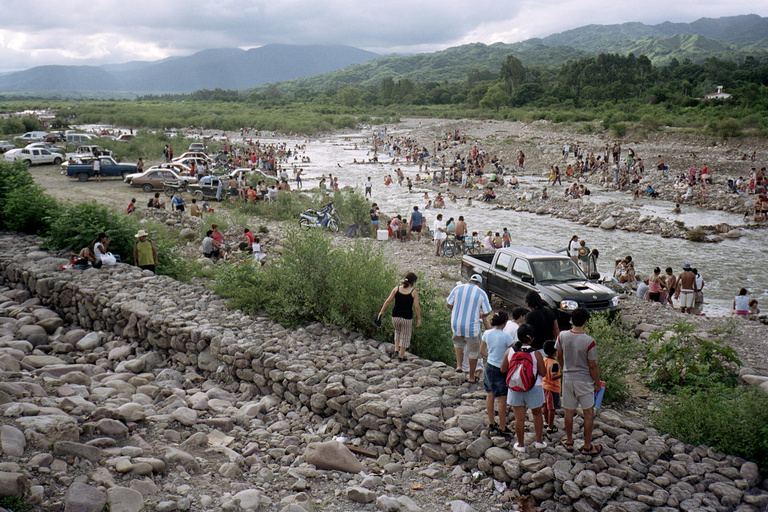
616 93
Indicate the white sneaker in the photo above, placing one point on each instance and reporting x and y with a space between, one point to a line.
540 446
519 448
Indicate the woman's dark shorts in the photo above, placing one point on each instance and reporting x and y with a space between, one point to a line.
495 381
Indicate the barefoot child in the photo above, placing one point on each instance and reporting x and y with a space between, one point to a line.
551 385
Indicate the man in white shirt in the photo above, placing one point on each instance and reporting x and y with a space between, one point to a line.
518 319
440 233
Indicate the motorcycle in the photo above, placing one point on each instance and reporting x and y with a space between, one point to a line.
325 218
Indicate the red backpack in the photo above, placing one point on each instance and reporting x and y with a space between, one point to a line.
520 376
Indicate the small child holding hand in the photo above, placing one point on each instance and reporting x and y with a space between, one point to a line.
551 385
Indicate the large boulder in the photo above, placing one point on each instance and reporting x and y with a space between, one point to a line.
81 497
608 223
34 334
332 455
12 484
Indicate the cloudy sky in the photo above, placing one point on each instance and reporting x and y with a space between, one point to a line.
79 32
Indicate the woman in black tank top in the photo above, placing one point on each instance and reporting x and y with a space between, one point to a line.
406 301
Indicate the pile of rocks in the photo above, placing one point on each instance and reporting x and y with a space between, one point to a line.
124 387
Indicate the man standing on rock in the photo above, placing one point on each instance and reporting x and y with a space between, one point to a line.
416 222
469 306
686 289
577 356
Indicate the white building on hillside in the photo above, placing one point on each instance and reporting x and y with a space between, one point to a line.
719 95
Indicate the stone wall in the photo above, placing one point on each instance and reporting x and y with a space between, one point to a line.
419 408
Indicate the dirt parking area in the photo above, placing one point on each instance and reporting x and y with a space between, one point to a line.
110 191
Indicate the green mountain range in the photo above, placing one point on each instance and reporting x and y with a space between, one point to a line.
320 68
729 38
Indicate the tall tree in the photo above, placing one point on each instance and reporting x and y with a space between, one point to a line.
512 74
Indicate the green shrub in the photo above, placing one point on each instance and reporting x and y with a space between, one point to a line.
13 176
650 123
77 226
730 127
676 357
285 207
616 354
619 129
24 206
313 281
29 210
731 420
352 207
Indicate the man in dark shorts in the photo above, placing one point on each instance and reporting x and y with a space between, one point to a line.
416 222
671 282
374 219
96 166
542 318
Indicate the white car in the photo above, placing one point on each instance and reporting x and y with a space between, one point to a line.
6 145
31 137
45 145
193 154
33 156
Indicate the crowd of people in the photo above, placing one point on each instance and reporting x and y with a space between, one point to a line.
530 364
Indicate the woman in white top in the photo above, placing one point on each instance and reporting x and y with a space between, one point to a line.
102 257
741 303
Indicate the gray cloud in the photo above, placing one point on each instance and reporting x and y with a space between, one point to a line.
79 32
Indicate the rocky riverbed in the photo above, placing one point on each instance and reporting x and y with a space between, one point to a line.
132 390
129 389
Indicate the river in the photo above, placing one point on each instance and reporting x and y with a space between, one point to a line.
726 266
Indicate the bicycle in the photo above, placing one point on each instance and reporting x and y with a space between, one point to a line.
450 247
471 245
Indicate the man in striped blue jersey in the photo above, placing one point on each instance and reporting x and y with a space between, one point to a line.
469 306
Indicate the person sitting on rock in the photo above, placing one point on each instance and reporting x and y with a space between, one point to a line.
156 202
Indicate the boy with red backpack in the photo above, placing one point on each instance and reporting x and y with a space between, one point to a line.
524 367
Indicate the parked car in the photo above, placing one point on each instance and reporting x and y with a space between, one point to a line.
126 137
54 137
109 168
209 187
193 154
79 138
249 173
31 137
510 273
33 156
89 150
197 147
6 145
45 145
188 161
154 178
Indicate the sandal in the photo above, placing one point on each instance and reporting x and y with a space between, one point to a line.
595 449
568 446
552 430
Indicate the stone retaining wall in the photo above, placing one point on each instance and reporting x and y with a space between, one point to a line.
419 408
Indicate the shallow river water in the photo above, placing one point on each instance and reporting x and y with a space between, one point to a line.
725 266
